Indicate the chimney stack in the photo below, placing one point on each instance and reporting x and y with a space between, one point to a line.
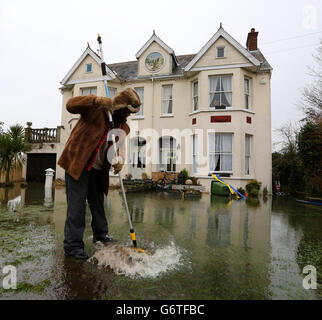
251 43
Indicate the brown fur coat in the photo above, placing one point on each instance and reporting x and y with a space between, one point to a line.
91 127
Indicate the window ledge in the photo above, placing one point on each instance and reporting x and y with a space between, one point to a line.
221 110
225 178
167 115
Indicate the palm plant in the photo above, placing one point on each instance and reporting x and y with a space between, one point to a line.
13 145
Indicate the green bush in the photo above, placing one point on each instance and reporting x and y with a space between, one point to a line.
265 192
185 172
253 187
241 191
144 176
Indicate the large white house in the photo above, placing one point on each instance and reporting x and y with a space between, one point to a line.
206 112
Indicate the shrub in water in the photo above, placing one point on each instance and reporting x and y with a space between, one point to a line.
241 191
265 192
185 173
252 188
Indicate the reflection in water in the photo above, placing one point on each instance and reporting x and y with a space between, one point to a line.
230 249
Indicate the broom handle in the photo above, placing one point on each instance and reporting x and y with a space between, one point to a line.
103 67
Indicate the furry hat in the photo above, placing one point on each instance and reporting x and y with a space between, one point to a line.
127 98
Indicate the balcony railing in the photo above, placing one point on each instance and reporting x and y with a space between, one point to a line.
43 135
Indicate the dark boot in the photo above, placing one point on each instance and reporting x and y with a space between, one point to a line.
105 240
77 254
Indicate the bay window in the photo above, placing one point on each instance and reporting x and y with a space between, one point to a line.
220 152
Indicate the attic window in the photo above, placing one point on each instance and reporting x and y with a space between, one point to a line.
89 67
220 52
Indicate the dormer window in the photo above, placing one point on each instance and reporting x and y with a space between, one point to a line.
88 67
220 52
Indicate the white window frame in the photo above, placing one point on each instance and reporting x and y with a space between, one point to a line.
214 153
194 96
140 114
88 88
221 47
166 100
248 156
214 92
89 64
249 94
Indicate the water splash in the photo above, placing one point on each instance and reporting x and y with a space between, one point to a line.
126 261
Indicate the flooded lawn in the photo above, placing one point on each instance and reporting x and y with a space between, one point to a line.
209 248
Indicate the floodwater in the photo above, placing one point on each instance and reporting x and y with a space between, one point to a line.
208 248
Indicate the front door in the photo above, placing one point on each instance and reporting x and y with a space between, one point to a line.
137 157
37 163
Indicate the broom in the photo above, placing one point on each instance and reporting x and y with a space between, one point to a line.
103 67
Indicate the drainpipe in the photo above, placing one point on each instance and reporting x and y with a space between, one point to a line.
152 121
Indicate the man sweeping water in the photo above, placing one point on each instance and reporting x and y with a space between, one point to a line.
87 166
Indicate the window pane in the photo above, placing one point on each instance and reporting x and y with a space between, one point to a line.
170 105
214 100
214 84
246 86
247 145
220 52
195 88
87 91
226 162
167 92
247 101
226 99
195 103
226 83
226 142
89 67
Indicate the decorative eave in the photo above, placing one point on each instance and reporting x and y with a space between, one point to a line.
222 33
88 51
155 38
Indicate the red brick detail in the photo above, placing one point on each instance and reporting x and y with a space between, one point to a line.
220 119
194 121
248 119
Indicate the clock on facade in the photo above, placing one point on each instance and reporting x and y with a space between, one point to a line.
154 61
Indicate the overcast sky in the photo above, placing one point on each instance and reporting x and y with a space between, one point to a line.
41 40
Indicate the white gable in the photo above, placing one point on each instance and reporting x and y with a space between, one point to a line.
222 33
156 39
90 52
